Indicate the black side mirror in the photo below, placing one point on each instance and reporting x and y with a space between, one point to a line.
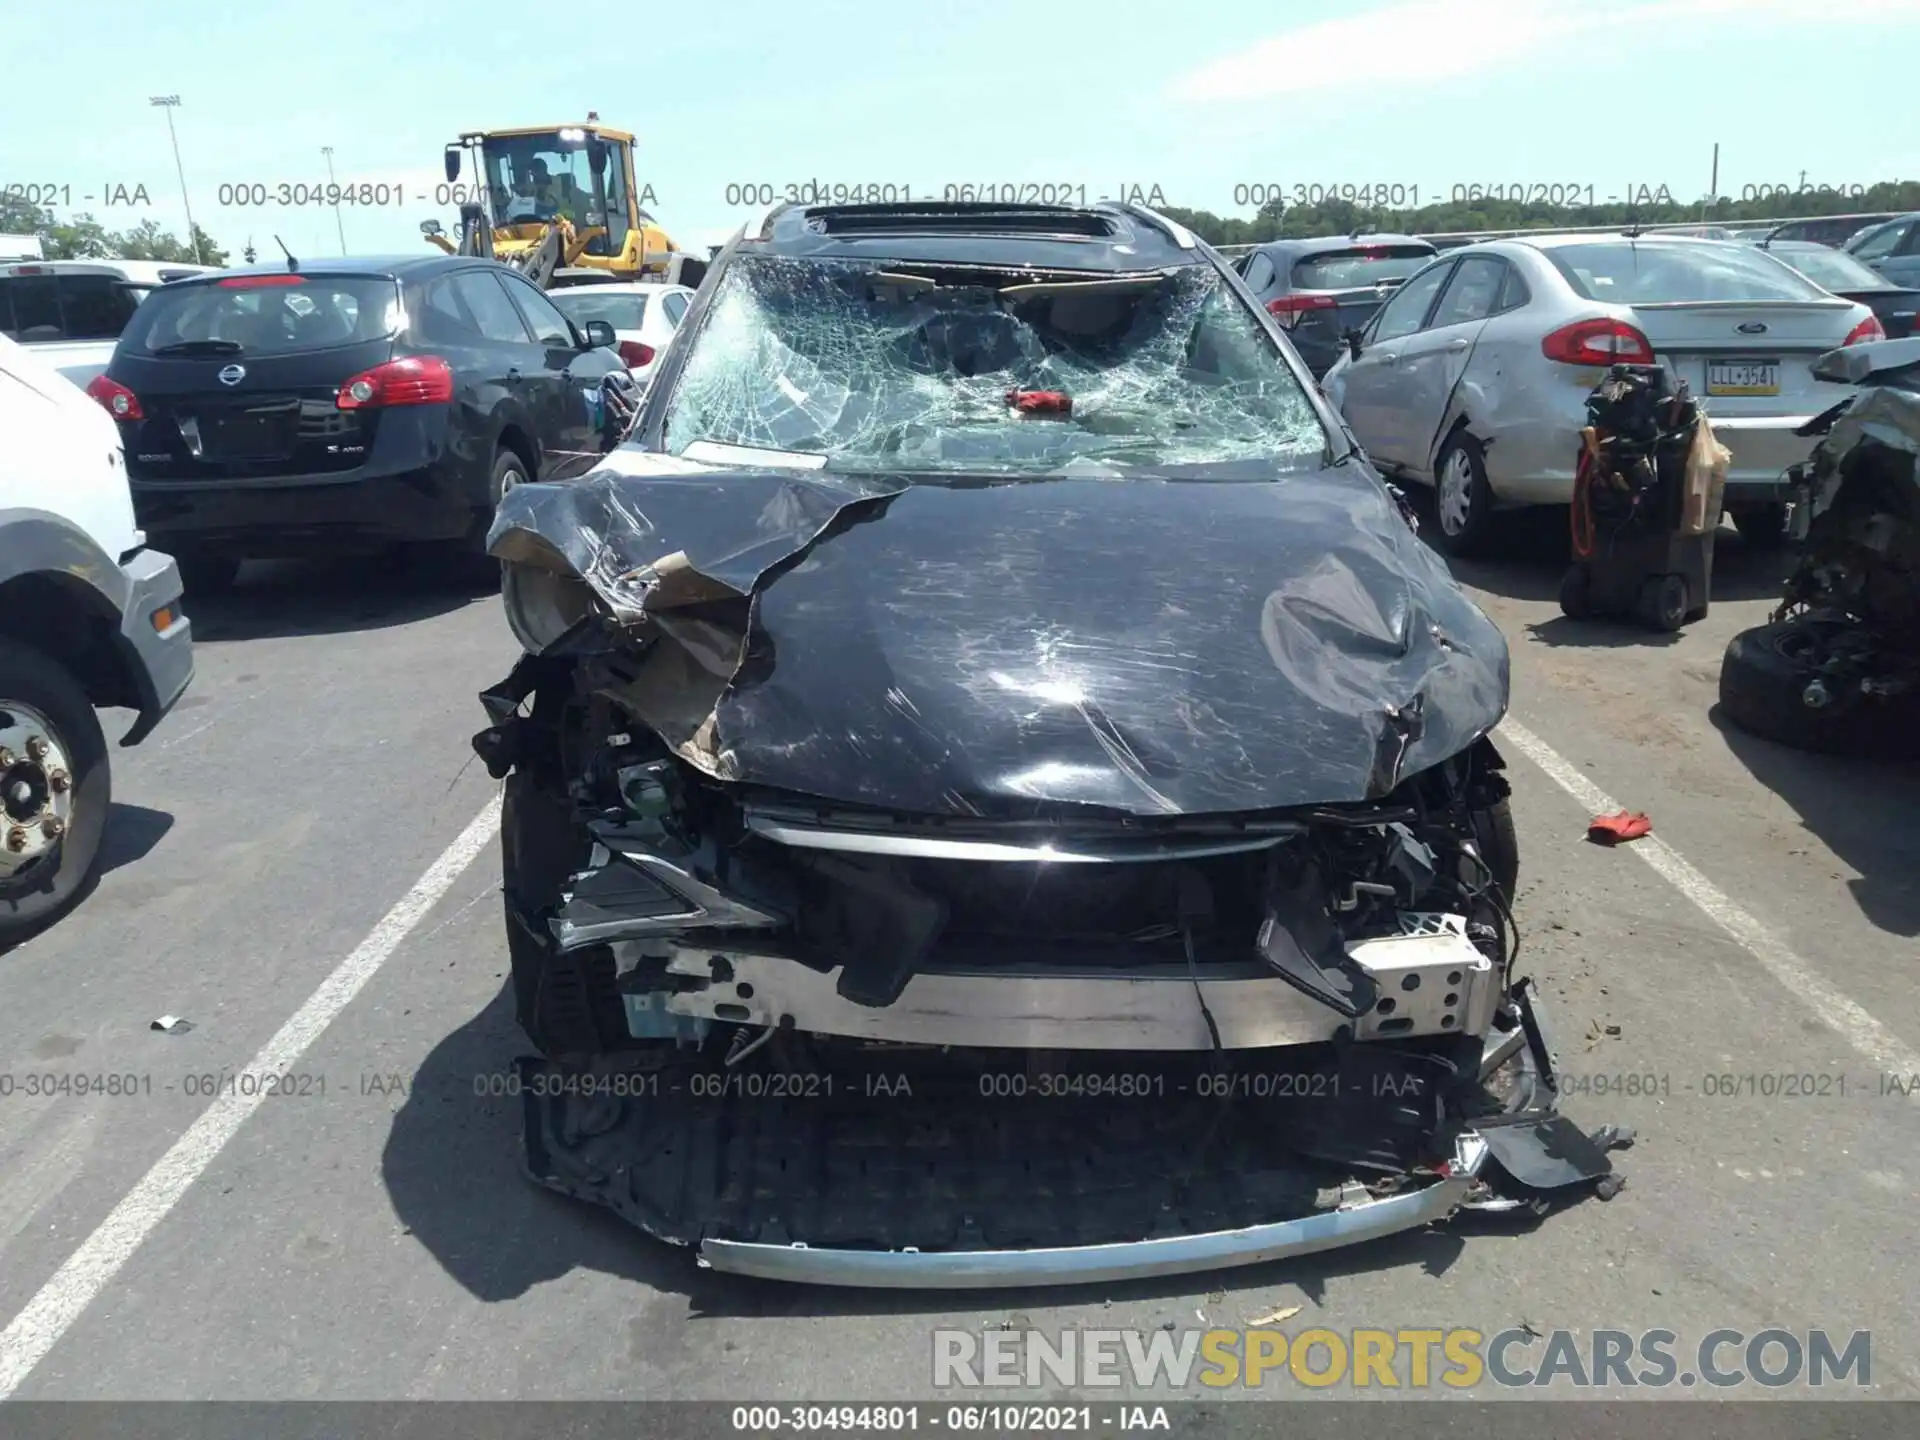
1353 344
453 163
597 156
599 335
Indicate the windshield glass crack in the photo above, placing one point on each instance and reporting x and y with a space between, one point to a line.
884 371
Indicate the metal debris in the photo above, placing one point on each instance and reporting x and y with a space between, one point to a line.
1285 1312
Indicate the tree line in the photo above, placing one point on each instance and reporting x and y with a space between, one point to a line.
1280 221
85 238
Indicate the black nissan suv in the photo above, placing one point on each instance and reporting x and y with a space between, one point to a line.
346 405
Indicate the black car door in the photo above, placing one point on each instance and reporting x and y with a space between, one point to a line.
571 371
523 359
465 318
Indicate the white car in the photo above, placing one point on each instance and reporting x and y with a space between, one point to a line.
1474 377
89 618
70 312
644 317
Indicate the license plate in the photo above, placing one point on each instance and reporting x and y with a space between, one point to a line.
1743 377
250 437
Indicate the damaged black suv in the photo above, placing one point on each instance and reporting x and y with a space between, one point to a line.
996 790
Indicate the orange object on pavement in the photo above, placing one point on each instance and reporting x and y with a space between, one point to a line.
1612 829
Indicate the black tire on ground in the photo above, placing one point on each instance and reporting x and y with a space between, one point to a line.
47 889
1462 499
207 574
1665 602
1763 677
1576 593
1499 846
566 1004
1763 527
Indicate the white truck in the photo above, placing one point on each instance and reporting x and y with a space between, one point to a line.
89 617
71 312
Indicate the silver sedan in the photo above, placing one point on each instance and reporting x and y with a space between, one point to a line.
1474 377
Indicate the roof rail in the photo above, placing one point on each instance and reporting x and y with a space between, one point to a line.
1091 221
762 229
1173 229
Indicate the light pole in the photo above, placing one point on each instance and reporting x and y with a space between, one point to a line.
170 103
338 223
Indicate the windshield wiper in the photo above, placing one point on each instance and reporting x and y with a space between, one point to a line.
199 347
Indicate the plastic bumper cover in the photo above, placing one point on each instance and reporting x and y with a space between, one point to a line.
1175 1255
160 660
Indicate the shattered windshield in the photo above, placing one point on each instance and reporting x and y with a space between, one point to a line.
879 369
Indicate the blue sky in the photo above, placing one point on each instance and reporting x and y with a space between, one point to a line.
1197 98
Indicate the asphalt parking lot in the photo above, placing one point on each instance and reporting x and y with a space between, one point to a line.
288 867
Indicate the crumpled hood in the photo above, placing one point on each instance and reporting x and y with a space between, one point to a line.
1879 415
1157 647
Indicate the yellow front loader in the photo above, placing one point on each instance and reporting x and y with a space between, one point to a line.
559 204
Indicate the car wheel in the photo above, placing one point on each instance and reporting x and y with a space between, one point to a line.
207 574
1462 499
566 1003
55 789
1499 846
1763 685
1763 527
509 470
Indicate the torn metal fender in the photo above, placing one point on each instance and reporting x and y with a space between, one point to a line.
1880 413
689 535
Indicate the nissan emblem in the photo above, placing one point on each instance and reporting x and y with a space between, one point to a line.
233 374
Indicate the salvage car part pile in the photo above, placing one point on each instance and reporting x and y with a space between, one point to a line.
1646 502
1838 668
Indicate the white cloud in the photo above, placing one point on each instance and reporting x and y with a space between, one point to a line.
1432 40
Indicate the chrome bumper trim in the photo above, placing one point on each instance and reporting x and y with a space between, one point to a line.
1176 1255
1133 850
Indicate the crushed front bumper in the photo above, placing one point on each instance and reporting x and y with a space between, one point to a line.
1349 1224
984 1185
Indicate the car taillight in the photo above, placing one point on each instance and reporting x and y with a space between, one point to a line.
1867 330
1598 342
634 353
259 282
416 380
120 402
1288 309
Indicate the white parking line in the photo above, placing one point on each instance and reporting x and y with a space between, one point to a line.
1840 1012
51 1312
